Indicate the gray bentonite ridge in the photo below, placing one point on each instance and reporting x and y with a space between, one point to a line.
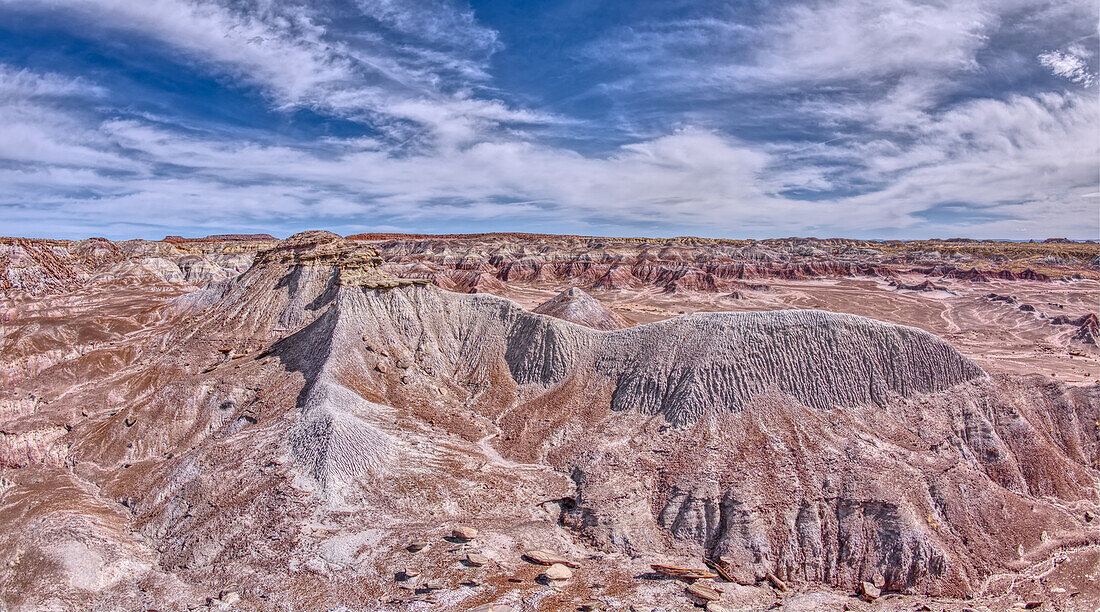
679 368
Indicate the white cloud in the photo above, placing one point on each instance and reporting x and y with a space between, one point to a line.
1070 64
847 39
23 84
35 131
992 155
1030 160
281 48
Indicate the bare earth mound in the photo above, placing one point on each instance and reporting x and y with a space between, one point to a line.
576 306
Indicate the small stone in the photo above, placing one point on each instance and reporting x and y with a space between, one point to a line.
868 591
1089 516
714 606
404 364
476 559
433 585
702 591
776 582
381 367
230 598
463 532
590 606
558 571
417 546
410 572
546 557
878 580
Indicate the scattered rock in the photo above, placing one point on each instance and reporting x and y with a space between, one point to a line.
558 571
417 546
476 559
683 573
546 557
776 582
702 592
868 591
463 532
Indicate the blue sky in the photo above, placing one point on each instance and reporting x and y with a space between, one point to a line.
857 118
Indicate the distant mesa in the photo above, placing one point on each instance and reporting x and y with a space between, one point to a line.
576 306
223 238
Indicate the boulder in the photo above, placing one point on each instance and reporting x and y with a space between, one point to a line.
868 591
476 559
546 557
558 571
463 532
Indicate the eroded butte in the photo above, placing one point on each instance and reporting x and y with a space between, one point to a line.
534 422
